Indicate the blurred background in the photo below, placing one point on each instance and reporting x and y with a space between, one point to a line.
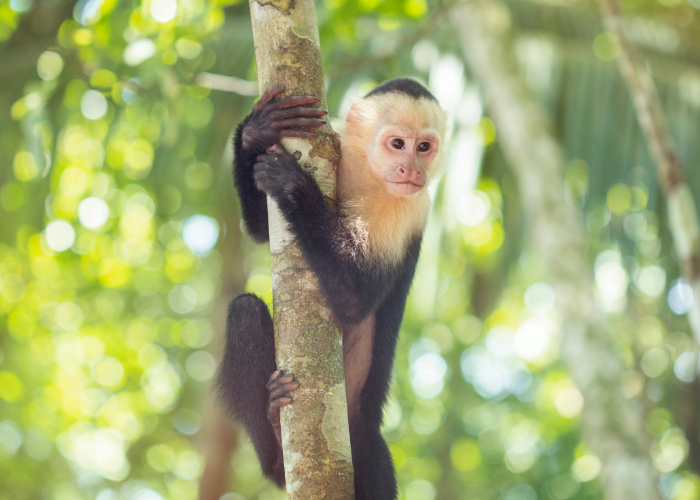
121 245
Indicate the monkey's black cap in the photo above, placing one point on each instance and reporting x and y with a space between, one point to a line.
407 86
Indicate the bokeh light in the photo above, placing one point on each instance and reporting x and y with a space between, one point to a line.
420 489
93 105
521 492
49 65
654 362
587 467
492 376
60 235
188 48
163 11
10 437
427 375
113 293
447 80
680 297
669 450
201 366
533 338
611 281
138 51
200 234
472 208
182 299
651 280
539 298
21 5
93 212
686 366
569 402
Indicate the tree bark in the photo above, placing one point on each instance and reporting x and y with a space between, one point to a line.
612 425
308 337
682 214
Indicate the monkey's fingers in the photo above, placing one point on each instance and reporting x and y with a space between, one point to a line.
273 411
280 381
276 148
297 133
297 100
278 378
298 112
268 96
298 122
284 390
275 375
283 402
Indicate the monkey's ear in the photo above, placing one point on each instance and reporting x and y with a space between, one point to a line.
353 114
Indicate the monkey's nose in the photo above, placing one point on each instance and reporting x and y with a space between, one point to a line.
409 173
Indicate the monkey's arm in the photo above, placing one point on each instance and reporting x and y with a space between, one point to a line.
266 124
353 291
253 201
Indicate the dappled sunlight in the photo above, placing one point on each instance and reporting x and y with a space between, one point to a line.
121 244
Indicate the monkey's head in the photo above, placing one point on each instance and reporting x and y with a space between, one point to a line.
400 129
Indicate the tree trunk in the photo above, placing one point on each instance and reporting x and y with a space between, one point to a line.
682 213
315 432
219 436
612 424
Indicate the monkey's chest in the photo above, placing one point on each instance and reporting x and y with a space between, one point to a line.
357 358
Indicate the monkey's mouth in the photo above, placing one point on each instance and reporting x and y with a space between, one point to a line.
403 188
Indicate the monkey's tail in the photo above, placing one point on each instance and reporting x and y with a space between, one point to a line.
248 362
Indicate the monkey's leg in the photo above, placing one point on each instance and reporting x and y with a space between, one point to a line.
248 361
375 478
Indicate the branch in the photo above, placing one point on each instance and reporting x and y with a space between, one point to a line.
248 88
227 84
682 213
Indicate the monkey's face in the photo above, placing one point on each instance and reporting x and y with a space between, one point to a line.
400 139
403 157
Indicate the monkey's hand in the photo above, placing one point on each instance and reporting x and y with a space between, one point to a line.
279 175
271 120
280 388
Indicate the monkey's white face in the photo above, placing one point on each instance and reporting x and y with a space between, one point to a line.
393 139
403 158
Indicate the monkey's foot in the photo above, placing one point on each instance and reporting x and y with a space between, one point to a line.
280 387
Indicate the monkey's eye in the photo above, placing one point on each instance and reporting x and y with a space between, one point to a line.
424 146
398 143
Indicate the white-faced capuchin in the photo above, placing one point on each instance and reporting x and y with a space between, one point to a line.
364 256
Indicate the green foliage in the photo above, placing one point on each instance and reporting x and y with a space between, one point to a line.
115 185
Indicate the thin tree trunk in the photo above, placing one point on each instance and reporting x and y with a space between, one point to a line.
682 214
315 432
612 424
219 436
219 440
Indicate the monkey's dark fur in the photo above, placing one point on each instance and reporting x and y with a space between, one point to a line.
360 290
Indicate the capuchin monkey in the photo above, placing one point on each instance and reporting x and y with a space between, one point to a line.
364 256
